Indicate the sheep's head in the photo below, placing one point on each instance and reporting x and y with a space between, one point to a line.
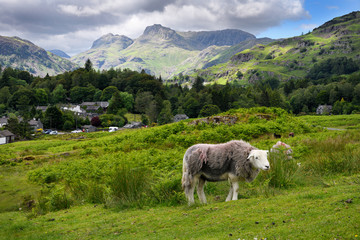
258 158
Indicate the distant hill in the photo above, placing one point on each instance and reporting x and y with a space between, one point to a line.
161 50
59 53
294 58
24 55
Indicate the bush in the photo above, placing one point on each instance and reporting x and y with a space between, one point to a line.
129 185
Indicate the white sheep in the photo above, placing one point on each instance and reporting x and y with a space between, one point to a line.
233 161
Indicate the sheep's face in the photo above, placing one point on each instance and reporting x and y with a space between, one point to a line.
258 159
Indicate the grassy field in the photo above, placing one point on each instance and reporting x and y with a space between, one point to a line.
89 186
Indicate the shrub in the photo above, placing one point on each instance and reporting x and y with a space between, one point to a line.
129 184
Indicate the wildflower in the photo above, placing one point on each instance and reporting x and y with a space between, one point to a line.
299 164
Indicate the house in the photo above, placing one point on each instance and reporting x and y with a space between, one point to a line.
324 109
92 105
73 108
3 121
89 128
42 108
134 125
179 117
36 124
6 137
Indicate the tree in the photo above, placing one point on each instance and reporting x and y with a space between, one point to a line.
108 92
82 94
21 129
165 115
88 65
209 110
53 118
5 95
95 121
115 104
24 75
22 99
198 84
41 96
192 107
58 95
142 101
127 100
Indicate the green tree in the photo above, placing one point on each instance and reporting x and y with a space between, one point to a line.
22 129
192 107
198 84
165 115
58 95
115 104
88 65
209 110
142 101
5 95
53 118
22 99
82 94
41 96
24 75
108 92
127 100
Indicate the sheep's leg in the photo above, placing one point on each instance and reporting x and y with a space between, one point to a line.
235 186
189 190
200 191
230 195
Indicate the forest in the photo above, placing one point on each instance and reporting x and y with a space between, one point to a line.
333 82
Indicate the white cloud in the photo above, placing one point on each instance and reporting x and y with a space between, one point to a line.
73 25
308 27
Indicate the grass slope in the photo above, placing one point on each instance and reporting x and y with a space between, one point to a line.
74 186
303 213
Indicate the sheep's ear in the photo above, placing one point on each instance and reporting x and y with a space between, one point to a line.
251 154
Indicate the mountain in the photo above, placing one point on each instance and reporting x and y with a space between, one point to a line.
161 50
336 41
24 55
59 53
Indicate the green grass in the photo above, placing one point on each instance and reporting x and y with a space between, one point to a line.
334 121
304 213
89 186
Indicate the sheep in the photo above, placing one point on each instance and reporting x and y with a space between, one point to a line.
287 149
233 161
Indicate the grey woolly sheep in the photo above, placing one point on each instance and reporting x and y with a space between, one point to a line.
234 161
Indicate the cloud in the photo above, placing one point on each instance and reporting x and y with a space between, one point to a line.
332 7
73 25
308 27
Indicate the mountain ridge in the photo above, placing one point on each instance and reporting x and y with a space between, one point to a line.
292 58
161 50
24 55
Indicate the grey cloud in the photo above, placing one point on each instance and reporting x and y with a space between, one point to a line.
51 22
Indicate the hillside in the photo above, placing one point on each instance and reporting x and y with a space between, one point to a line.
91 185
294 57
59 53
24 55
161 50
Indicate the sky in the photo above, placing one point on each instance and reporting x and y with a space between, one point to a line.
73 25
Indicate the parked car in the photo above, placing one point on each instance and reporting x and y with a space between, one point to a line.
77 131
113 129
47 131
53 132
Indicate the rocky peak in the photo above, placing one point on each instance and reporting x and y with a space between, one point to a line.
158 31
110 38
